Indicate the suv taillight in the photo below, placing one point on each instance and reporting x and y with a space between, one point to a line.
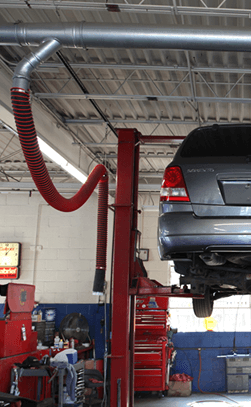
173 186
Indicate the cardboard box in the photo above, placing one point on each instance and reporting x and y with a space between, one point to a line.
179 389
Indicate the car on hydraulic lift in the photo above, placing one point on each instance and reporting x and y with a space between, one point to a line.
205 213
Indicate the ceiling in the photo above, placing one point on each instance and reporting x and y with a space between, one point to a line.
158 92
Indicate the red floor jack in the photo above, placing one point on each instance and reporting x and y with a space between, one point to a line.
18 341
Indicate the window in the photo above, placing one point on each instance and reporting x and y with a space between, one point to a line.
218 141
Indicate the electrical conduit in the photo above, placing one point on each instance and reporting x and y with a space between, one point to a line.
28 138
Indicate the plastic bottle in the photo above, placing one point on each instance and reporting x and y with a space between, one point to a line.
39 316
56 342
72 343
66 344
61 344
34 316
23 331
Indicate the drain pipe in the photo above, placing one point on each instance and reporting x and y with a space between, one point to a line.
28 138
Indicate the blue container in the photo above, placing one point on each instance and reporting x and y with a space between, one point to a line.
72 356
50 314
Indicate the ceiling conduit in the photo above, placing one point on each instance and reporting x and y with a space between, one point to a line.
50 38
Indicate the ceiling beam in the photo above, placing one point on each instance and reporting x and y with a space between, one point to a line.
7 186
141 187
50 65
126 8
169 140
67 187
55 174
26 173
131 120
142 155
128 120
146 98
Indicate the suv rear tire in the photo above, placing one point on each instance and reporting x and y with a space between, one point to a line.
203 308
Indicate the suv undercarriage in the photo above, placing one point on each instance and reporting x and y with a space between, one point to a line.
216 276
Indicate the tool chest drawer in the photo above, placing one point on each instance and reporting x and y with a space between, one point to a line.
149 348
150 322
147 359
148 378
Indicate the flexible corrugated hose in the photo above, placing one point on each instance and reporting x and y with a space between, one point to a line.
28 139
101 235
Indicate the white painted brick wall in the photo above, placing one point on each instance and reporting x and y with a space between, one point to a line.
63 270
148 222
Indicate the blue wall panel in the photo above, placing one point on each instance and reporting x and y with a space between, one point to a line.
94 313
1 310
212 344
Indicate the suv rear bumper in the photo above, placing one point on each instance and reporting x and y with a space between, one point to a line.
181 232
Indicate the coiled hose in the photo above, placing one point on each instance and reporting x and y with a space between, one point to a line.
34 159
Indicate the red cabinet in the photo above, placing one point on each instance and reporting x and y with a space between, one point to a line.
152 351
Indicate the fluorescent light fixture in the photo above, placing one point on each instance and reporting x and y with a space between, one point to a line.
9 123
61 161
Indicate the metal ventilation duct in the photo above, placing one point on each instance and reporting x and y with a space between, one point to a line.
92 35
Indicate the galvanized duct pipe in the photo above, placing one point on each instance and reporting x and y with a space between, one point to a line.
92 35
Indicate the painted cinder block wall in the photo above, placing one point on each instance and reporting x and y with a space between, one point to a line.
62 269
212 344
147 224
58 255
59 250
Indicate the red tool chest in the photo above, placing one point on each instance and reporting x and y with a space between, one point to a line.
18 341
152 351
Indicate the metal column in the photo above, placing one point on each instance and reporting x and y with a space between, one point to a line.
125 234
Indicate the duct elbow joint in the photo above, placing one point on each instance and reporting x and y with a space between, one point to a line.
21 77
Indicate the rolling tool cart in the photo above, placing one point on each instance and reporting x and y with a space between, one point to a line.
18 342
152 350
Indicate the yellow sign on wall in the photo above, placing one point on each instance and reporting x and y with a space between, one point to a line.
210 323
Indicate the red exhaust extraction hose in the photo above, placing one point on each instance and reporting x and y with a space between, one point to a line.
28 139
98 285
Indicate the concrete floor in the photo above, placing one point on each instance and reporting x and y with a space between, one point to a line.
195 400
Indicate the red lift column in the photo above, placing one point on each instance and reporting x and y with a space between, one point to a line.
124 264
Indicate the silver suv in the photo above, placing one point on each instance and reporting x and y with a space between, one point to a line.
205 213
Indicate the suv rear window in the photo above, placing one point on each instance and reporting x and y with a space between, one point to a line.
218 141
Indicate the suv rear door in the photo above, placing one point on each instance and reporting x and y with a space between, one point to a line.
216 166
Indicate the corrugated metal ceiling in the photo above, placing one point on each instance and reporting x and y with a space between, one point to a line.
158 92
